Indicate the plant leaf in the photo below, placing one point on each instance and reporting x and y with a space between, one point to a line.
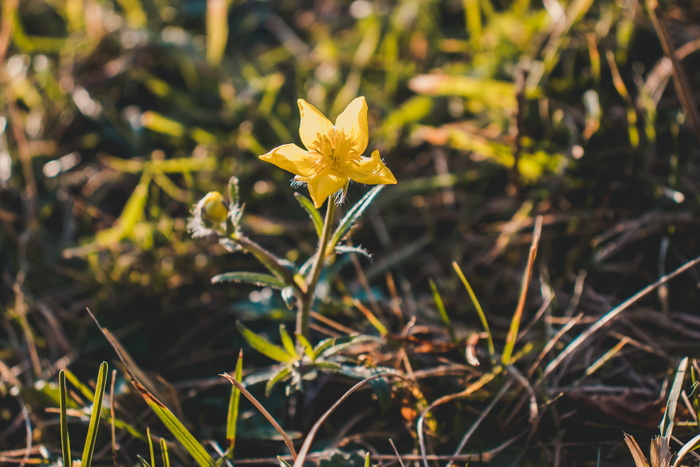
441 309
308 348
151 450
254 278
278 377
234 400
164 453
342 343
91 437
63 405
340 249
144 462
193 447
287 341
265 347
311 211
353 214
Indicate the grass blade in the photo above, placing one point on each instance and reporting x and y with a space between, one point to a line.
63 405
666 426
441 309
91 438
151 450
287 440
165 453
171 422
477 305
234 400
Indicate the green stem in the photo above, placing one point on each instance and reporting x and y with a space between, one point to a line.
308 297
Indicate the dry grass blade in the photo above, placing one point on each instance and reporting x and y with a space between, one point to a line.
287 439
666 427
304 451
686 449
612 314
660 452
680 79
640 460
484 413
396 451
517 316
481 382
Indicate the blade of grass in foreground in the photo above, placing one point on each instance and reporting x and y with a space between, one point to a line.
232 417
151 451
63 403
165 453
193 447
477 305
94 425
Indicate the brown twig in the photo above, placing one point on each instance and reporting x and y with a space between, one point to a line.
612 314
680 79
287 439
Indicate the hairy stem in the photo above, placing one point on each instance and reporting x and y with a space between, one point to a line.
308 297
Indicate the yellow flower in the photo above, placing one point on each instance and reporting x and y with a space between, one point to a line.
213 207
333 153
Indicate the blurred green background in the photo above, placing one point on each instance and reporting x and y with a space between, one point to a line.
116 116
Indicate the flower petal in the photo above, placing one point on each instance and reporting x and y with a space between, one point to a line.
323 184
312 124
291 158
353 121
371 171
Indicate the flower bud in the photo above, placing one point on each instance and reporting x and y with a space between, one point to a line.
213 207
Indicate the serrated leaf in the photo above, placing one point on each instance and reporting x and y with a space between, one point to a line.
311 211
265 347
277 378
340 249
144 462
255 278
353 214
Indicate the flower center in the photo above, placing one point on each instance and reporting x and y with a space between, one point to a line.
334 150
